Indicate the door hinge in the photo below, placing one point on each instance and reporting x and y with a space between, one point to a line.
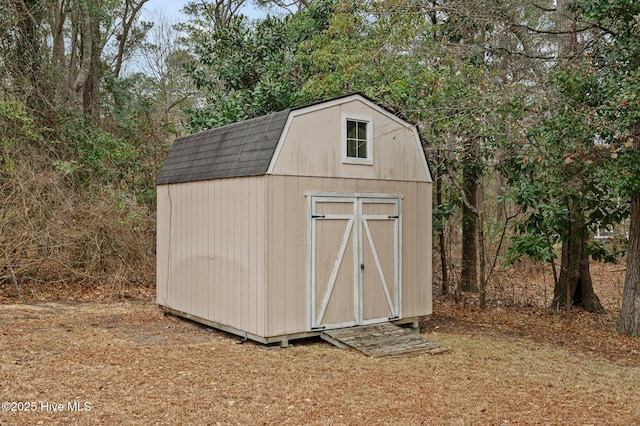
394 217
317 216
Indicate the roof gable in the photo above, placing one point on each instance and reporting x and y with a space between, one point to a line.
251 147
312 135
238 149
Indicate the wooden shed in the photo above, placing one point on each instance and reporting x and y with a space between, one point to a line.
308 219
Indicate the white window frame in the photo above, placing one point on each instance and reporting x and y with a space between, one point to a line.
356 160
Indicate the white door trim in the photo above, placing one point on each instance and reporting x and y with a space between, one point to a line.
357 227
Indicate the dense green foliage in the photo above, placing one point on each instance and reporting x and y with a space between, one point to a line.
247 70
615 61
566 165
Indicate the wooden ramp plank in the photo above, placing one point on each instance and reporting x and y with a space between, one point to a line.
381 341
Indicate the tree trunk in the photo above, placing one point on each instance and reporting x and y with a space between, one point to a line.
574 284
482 266
469 273
130 15
86 42
630 312
566 26
441 237
26 60
56 22
91 92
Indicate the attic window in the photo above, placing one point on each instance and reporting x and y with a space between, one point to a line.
357 140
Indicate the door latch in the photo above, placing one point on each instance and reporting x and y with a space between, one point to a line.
362 266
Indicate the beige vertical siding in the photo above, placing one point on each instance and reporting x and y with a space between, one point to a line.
287 283
162 243
417 236
314 147
276 289
234 251
211 250
425 245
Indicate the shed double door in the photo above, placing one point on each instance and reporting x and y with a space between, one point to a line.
355 260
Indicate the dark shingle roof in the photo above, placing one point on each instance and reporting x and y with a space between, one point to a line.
238 149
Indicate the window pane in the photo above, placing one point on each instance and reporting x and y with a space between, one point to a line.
362 149
351 129
351 148
362 131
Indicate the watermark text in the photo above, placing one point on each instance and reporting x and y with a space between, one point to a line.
46 406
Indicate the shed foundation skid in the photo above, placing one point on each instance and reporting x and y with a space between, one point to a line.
284 340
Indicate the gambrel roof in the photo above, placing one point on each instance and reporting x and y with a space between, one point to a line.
239 149
246 148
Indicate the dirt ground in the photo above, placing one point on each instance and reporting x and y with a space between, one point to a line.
121 361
